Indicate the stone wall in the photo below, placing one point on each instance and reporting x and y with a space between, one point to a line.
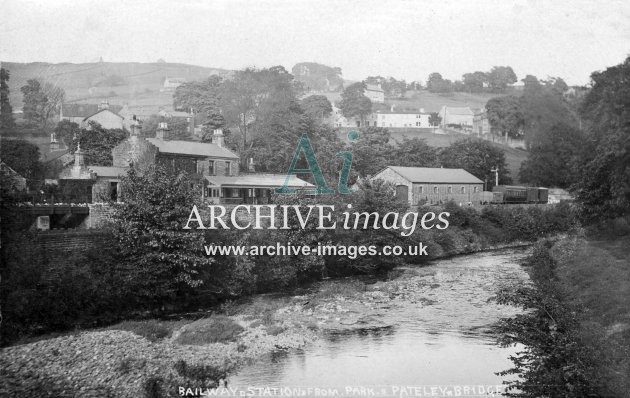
100 215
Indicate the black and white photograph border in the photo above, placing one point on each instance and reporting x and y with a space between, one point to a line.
306 198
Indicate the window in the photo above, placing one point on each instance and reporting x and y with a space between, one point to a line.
463 190
228 167
211 167
475 189
449 189
435 189
420 189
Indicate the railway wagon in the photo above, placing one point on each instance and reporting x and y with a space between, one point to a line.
519 194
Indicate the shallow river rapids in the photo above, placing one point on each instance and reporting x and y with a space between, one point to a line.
440 334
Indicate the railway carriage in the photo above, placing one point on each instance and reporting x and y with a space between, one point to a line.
519 194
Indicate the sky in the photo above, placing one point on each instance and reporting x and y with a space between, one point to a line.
405 39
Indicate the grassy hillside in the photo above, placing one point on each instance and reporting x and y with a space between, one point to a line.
137 84
514 157
432 102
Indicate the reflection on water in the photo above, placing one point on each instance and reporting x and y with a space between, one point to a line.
440 335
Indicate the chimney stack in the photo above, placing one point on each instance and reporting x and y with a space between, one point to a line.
250 165
135 127
162 131
103 105
217 137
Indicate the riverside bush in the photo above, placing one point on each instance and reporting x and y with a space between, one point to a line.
216 329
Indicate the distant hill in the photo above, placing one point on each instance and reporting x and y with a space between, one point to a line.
137 84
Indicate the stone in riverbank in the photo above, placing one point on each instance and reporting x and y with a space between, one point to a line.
119 363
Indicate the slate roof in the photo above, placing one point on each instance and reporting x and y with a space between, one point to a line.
436 175
373 87
86 110
108 171
194 148
259 181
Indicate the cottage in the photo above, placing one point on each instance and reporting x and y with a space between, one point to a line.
409 118
375 93
108 116
457 115
427 185
481 125
171 83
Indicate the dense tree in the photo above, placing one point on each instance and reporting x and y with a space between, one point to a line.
354 103
318 77
7 123
415 152
475 82
372 151
41 101
97 143
505 116
203 97
543 107
435 119
477 157
499 77
163 259
178 127
552 160
531 85
316 107
394 88
254 100
23 157
604 186
66 131
437 84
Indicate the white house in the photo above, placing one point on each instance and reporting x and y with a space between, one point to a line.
391 117
402 118
171 83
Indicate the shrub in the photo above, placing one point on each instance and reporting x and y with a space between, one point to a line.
152 387
207 375
216 329
152 330
274 330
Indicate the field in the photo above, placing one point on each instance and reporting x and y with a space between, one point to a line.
132 83
432 102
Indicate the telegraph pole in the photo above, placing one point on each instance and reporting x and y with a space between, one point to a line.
496 175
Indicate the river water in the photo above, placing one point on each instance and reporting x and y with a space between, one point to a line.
440 334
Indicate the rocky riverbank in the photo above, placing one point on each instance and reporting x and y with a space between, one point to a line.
155 356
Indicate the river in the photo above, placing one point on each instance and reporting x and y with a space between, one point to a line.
438 334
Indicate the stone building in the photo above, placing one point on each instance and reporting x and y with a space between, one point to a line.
214 167
457 115
375 93
427 185
11 180
481 125
108 116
